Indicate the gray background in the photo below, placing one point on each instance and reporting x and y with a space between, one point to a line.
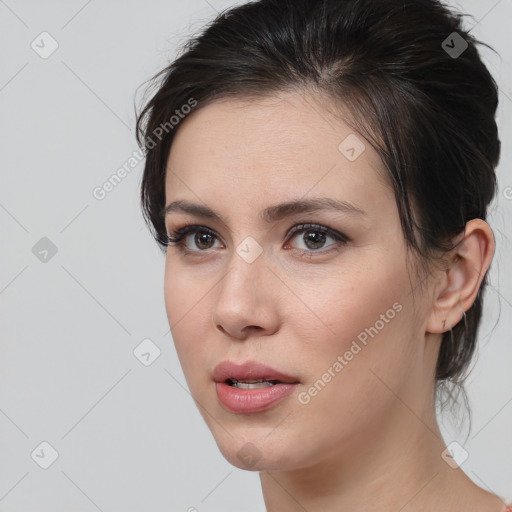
128 436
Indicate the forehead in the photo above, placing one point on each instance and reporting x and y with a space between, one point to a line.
282 147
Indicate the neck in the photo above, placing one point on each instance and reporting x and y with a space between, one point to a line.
397 465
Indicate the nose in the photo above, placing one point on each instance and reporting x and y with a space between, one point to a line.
248 299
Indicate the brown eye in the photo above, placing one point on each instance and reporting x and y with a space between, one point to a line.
314 237
203 240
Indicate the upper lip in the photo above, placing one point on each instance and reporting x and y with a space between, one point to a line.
249 370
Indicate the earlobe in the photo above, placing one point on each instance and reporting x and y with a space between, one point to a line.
461 281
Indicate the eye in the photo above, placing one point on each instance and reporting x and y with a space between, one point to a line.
314 237
203 238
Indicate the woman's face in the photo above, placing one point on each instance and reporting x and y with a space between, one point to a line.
330 306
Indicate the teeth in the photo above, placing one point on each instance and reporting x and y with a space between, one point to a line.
252 384
245 385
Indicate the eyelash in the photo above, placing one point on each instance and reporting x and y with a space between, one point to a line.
178 237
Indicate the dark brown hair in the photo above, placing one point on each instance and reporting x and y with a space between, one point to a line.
411 79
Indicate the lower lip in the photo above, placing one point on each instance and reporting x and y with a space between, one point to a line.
252 400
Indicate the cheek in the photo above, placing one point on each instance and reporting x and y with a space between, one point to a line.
368 324
184 302
175 297
185 293
352 304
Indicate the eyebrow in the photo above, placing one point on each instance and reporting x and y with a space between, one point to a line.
272 213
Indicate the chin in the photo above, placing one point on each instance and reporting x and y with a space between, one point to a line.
253 452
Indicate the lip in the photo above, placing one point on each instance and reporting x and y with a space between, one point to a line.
249 370
245 401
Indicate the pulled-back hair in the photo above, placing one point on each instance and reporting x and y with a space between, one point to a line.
410 78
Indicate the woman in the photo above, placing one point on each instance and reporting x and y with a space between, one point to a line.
318 173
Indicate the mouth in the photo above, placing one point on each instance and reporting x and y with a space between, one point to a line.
251 387
250 375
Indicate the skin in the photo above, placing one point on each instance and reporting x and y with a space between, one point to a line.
369 440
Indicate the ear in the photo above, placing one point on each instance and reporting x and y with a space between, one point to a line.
459 284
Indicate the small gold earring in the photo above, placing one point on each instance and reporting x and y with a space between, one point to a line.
444 323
